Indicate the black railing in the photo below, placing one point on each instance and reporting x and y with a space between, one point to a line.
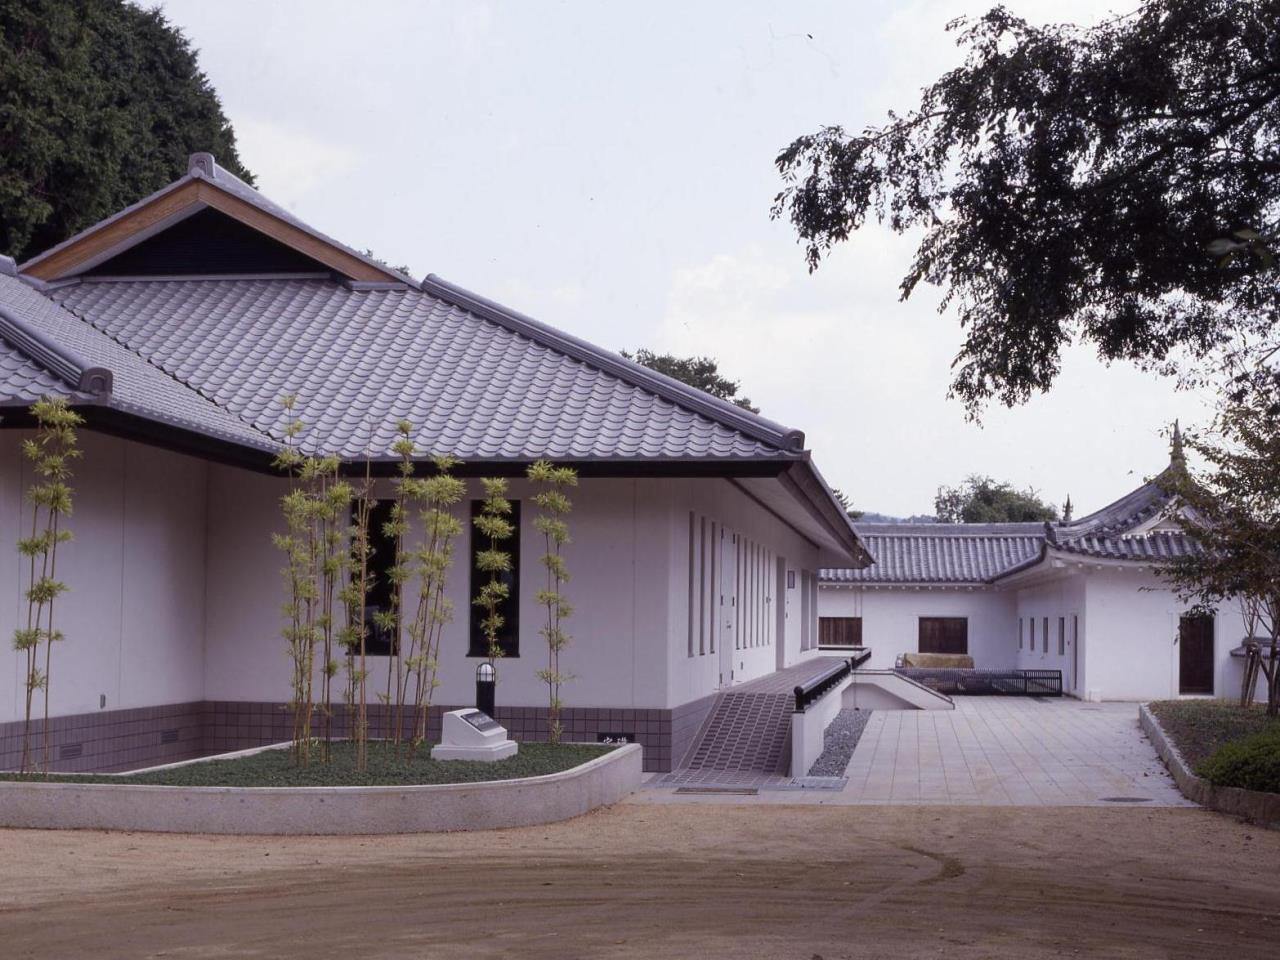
816 688
1010 683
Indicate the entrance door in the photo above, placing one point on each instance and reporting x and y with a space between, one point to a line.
1195 654
728 608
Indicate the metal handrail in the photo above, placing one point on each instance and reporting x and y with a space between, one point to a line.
815 688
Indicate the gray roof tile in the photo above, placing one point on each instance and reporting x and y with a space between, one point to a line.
137 387
358 360
942 554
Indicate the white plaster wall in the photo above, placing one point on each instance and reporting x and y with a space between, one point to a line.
693 677
891 619
1130 645
134 615
1064 596
619 561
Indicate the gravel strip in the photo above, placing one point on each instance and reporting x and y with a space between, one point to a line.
838 743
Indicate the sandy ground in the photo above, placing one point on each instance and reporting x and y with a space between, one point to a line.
643 881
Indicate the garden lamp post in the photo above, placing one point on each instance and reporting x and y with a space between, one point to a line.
486 683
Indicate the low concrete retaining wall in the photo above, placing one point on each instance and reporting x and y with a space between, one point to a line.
428 808
808 729
1261 808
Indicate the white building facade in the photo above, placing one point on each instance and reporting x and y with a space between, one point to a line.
176 327
1082 597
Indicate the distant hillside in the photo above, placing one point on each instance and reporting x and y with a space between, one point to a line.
885 518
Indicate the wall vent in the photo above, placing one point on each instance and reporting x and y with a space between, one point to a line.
168 736
70 751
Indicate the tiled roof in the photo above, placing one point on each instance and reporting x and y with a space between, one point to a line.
1150 547
359 360
22 380
941 553
203 167
137 386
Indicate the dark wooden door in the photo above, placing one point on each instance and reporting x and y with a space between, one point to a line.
944 635
1195 655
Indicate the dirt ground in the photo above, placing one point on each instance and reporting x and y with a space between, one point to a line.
675 881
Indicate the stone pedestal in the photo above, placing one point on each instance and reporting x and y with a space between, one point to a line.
472 735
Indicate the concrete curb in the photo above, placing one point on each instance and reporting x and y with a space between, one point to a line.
428 808
1261 808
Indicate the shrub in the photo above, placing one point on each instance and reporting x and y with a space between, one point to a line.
1252 763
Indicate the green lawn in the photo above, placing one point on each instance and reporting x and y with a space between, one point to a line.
1200 727
275 768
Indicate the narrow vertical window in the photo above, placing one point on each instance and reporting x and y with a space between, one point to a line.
702 585
1020 637
1033 633
379 641
692 567
1062 636
509 609
714 614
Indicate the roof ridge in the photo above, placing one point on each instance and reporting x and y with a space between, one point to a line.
204 168
727 414
71 311
58 359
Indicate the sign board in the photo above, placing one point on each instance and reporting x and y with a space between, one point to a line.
612 737
480 720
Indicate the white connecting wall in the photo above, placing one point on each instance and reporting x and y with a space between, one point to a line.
176 589
1111 630
134 616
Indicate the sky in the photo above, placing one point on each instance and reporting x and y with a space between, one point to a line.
608 168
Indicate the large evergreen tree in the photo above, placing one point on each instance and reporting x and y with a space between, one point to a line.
983 500
100 104
1117 185
702 373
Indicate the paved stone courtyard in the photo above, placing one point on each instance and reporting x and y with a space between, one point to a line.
994 751
1009 750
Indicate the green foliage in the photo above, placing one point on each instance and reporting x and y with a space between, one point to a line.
1251 764
983 500
1076 184
428 563
103 102
553 506
702 373
492 524
315 511
846 504
51 454
1232 508
274 768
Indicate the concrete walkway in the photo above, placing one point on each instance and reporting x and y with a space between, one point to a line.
1000 751
1009 750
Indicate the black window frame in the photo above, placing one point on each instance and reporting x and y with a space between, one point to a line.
509 641
378 641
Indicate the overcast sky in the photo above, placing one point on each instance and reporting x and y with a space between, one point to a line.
607 168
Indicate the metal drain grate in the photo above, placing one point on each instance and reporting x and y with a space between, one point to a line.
732 791
1125 799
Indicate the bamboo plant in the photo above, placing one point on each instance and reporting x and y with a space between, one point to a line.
51 454
493 523
553 507
355 599
391 620
437 496
313 544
